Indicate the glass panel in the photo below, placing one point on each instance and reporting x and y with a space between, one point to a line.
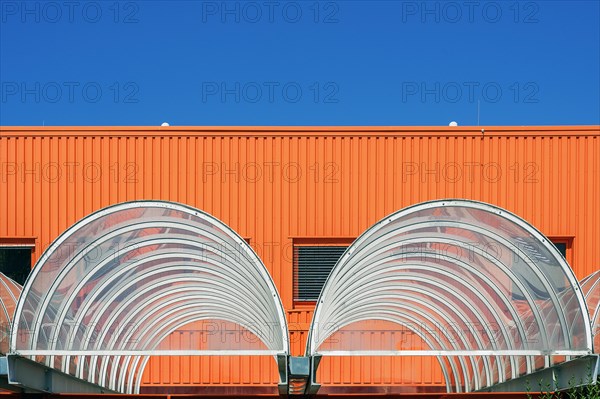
9 294
125 277
464 276
590 286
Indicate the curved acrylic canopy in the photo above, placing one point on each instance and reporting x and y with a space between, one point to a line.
107 293
486 293
9 294
590 286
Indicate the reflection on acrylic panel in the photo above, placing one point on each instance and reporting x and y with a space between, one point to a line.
124 278
458 277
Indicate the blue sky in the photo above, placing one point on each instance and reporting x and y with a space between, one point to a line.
299 62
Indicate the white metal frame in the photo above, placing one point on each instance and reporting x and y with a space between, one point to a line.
590 286
199 269
366 283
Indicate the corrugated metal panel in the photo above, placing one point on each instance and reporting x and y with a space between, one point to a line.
204 370
273 184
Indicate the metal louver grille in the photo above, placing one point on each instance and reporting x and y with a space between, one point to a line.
311 268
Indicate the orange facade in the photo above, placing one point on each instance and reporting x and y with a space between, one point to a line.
280 187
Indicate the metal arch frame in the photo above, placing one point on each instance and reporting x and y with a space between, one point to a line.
255 268
363 314
138 381
407 287
543 278
492 310
157 341
166 292
5 280
208 314
118 289
157 336
111 350
390 310
157 269
449 299
252 257
163 333
395 317
441 287
568 303
467 204
156 241
596 284
190 266
595 312
132 313
123 361
595 316
189 317
438 267
5 311
150 286
8 285
466 266
359 243
583 284
146 358
391 233
429 299
117 339
409 326
190 302
364 241
127 286
101 240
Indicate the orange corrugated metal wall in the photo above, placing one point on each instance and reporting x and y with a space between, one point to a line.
275 184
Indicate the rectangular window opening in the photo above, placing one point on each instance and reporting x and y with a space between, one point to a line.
313 261
15 261
564 246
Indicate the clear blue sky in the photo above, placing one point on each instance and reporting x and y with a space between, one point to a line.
299 62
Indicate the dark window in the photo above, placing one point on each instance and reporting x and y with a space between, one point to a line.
562 248
15 263
312 265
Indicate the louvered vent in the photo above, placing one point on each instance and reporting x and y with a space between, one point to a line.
311 268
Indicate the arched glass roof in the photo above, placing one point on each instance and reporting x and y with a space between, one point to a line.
9 294
591 290
487 293
107 292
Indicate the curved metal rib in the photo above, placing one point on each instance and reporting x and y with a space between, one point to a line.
523 283
93 274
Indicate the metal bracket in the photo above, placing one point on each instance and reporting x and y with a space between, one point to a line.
282 365
313 385
32 376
